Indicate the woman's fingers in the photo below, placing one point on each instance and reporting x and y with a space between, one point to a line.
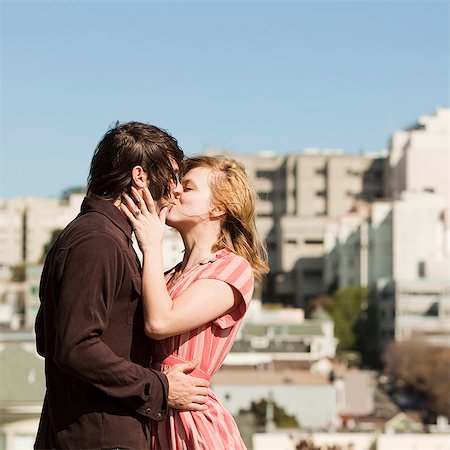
148 200
128 213
130 203
163 214
140 201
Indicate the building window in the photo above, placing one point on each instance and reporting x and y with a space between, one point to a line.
312 273
421 269
377 174
291 241
264 196
34 291
314 241
320 193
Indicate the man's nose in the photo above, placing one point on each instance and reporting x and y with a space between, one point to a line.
178 189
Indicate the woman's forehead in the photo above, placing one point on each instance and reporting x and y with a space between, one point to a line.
198 174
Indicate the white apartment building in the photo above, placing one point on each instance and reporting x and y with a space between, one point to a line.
300 195
27 224
414 309
401 244
419 157
401 239
26 227
290 440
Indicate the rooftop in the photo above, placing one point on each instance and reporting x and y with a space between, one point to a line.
298 377
22 374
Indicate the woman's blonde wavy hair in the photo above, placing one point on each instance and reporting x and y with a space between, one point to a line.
233 192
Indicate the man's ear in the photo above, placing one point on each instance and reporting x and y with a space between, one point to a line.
216 212
139 177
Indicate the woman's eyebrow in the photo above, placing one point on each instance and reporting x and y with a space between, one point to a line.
188 180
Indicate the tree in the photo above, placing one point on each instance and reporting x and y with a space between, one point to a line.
73 190
54 236
18 273
355 323
281 418
424 368
366 336
346 310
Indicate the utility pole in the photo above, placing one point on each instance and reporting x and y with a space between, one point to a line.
270 422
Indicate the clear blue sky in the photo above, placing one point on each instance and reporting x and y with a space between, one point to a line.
246 76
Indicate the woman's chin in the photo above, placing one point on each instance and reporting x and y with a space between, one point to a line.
171 222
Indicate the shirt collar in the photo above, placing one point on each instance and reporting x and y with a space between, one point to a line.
110 211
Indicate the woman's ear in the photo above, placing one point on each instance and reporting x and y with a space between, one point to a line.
216 212
139 178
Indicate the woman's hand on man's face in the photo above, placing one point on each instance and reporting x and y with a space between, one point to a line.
148 223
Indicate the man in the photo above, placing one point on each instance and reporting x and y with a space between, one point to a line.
90 329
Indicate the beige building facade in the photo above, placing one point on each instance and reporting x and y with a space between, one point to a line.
300 197
401 244
27 224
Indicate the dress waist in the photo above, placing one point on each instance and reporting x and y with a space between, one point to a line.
161 362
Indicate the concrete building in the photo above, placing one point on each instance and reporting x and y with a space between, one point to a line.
419 157
26 227
27 224
413 309
401 239
290 440
401 244
273 342
311 398
22 394
300 196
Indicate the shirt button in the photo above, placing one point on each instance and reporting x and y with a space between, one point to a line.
158 416
148 411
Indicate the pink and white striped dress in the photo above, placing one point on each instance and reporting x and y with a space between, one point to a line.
214 428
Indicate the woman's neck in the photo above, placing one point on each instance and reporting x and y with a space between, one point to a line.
197 246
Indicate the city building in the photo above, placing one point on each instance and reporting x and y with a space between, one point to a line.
413 309
292 440
22 393
419 157
318 408
400 245
282 339
300 197
27 225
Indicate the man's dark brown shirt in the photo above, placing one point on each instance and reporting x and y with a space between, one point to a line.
90 329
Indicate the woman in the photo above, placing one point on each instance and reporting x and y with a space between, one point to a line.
193 312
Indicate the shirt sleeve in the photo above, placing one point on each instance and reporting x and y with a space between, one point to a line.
90 281
237 272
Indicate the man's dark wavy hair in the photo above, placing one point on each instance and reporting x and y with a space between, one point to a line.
128 145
